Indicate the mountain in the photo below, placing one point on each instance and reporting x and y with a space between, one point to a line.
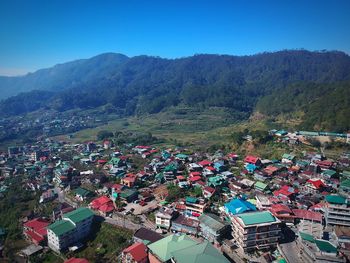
63 76
144 84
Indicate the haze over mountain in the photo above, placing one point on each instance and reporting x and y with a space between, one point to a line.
146 84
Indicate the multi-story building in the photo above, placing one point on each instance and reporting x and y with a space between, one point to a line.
337 210
255 230
164 216
72 228
194 207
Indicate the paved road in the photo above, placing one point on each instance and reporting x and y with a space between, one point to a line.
293 253
122 222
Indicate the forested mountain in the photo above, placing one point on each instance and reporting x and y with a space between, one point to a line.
325 106
146 84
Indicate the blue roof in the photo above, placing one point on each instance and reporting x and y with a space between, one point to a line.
250 167
238 206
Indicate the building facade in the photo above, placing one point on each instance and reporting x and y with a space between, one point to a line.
256 230
72 228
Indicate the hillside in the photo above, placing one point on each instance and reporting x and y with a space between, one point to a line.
147 85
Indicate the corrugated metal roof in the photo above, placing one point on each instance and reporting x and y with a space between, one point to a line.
79 214
257 218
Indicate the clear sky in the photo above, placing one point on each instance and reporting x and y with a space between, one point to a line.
41 33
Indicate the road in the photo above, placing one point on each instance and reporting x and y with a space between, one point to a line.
293 253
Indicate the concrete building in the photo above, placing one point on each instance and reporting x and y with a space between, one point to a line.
337 210
73 227
255 230
163 218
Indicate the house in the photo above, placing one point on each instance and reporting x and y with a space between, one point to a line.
129 195
250 159
212 228
286 192
164 217
72 228
208 192
260 186
307 215
82 194
136 253
288 158
282 212
35 230
129 180
256 230
194 207
182 249
146 236
47 196
185 225
313 186
103 204
238 206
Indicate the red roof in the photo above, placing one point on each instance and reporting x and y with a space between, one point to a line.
232 155
180 177
142 147
138 251
195 174
76 260
209 189
308 215
205 163
37 224
96 203
285 190
251 159
279 209
195 178
101 161
106 208
316 183
210 168
34 236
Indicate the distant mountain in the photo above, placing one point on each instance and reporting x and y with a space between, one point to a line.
63 76
146 84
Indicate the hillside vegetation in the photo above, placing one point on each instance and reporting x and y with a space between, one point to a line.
148 85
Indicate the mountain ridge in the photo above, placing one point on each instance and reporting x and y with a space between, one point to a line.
146 84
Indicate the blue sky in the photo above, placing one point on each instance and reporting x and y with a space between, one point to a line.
35 34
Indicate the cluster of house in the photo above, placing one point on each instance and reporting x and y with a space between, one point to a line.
226 203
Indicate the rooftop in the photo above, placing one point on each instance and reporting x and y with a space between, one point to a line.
256 218
61 227
79 214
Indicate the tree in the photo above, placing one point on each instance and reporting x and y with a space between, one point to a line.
103 135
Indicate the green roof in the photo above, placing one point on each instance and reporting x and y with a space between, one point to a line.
257 218
346 173
191 199
260 185
336 199
199 253
345 183
127 193
329 172
164 247
82 192
79 214
307 237
212 221
325 246
61 227
288 156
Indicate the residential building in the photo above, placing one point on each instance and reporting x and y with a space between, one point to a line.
182 249
35 230
164 216
185 224
72 228
256 230
136 253
194 207
337 210
212 227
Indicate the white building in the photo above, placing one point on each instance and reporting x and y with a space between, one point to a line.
73 227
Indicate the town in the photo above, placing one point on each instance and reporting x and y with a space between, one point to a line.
100 201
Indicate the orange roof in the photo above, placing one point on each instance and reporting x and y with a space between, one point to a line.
138 251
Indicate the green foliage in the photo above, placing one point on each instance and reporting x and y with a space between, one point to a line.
174 192
103 135
326 106
142 85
